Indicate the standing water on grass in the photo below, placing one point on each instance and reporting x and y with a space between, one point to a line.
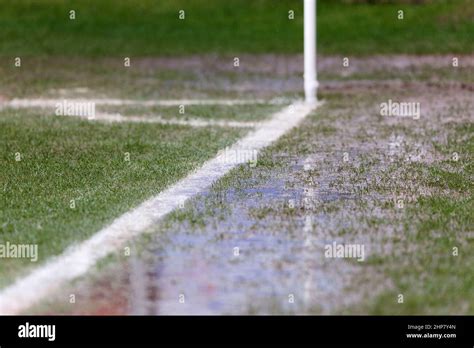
239 263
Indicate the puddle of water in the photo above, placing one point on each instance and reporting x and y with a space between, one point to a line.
237 265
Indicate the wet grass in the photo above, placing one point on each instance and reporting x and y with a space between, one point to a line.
79 77
248 113
432 266
195 77
63 178
411 248
461 74
206 77
416 242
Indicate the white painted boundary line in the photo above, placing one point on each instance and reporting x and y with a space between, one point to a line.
191 122
51 103
77 260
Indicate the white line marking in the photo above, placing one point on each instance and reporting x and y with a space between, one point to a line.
51 103
77 260
191 122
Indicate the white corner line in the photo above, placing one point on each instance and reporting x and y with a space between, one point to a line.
189 122
51 103
77 260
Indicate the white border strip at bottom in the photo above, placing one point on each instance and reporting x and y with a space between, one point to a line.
77 260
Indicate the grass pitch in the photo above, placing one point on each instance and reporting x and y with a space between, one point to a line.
150 28
74 176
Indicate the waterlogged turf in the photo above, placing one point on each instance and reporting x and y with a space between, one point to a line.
62 178
155 78
399 189
255 242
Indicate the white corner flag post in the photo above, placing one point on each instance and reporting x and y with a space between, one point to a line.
310 77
